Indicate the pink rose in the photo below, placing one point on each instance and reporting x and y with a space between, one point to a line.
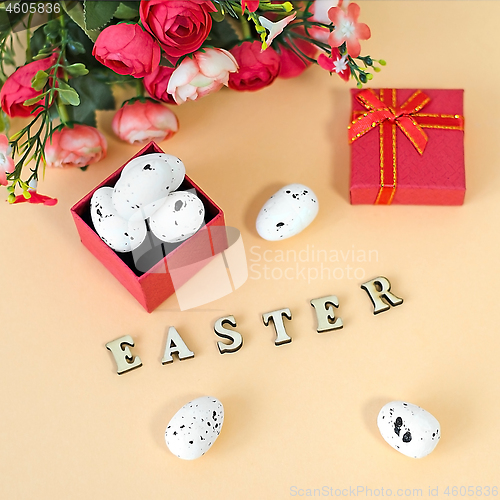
6 162
207 71
75 147
181 26
141 122
128 50
157 82
257 69
18 89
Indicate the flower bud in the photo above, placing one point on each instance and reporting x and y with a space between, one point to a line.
141 122
75 147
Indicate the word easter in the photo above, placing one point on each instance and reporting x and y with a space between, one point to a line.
378 289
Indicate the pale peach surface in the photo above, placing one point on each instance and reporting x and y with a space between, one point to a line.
303 415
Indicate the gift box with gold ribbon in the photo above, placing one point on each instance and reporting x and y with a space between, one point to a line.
407 147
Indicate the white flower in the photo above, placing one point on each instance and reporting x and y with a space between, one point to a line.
340 65
275 28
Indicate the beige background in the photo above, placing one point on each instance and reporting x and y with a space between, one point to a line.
302 415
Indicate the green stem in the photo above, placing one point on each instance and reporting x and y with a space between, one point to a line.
245 27
29 55
353 67
31 137
62 111
319 44
304 14
62 20
299 52
139 87
236 6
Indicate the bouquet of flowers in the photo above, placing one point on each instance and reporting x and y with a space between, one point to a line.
170 51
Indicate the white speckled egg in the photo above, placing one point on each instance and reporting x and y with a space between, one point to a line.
178 171
170 161
142 190
178 218
195 427
119 234
408 428
287 212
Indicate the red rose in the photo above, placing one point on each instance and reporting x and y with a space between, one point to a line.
157 82
293 63
128 50
17 88
257 69
181 26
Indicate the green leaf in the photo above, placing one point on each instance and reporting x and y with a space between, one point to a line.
219 15
33 100
39 80
98 14
37 40
127 10
223 35
77 69
76 47
41 55
9 20
4 21
77 38
69 96
52 28
94 95
75 12
63 85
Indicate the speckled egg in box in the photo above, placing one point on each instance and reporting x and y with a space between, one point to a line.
120 234
409 429
194 428
178 218
142 191
152 287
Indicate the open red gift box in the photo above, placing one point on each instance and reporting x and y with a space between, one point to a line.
407 147
147 272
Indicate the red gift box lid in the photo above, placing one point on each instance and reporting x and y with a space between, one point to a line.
437 177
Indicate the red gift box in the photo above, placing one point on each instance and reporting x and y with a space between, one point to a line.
407 147
154 285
